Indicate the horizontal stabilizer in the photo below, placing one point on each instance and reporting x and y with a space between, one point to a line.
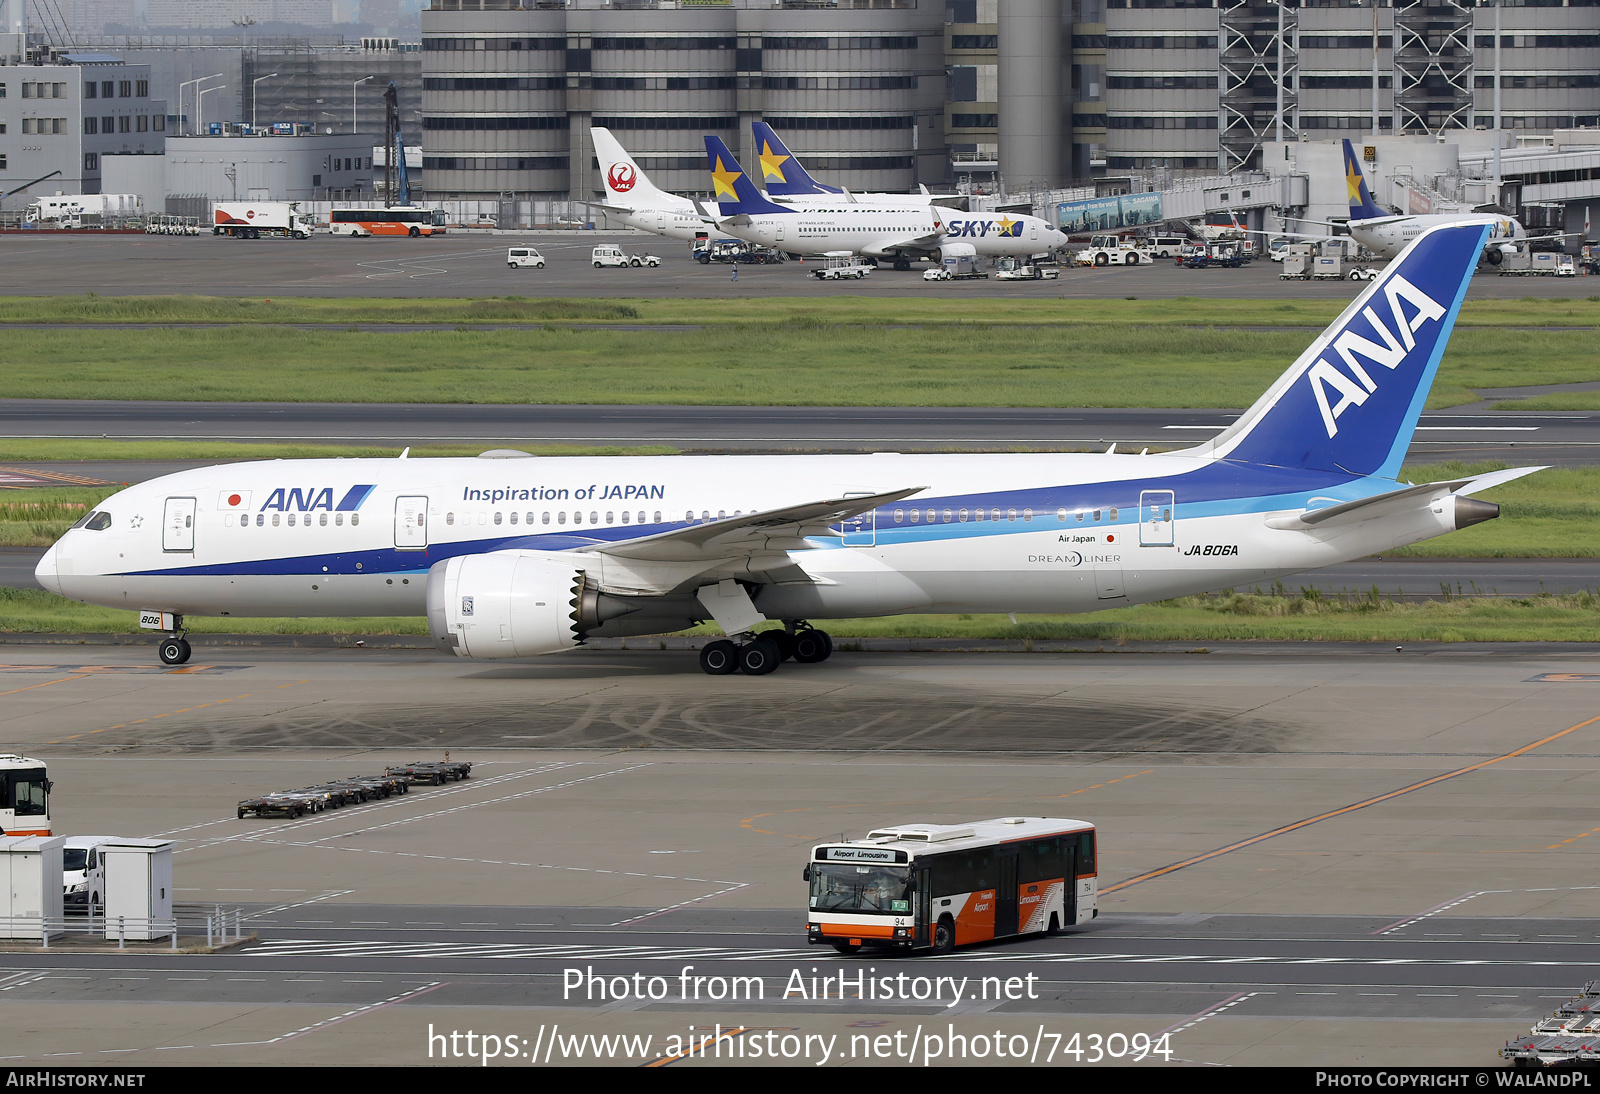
1394 501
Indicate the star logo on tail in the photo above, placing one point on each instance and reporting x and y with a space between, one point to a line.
723 178
771 163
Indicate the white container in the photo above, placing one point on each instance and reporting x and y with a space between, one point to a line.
30 886
138 888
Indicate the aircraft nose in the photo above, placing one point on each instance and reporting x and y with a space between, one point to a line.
47 573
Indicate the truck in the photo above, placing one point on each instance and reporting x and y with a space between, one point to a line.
73 209
1110 250
254 219
841 268
1530 264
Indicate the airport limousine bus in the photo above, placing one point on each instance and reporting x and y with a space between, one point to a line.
24 797
386 222
938 886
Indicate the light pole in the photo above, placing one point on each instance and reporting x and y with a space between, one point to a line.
185 84
253 84
200 102
353 87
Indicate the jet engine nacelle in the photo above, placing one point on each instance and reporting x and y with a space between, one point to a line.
1493 255
509 604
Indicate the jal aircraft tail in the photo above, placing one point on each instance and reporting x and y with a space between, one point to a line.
626 183
731 187
1351 402
1362 207
781 172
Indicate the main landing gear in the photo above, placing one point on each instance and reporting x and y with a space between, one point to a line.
761 653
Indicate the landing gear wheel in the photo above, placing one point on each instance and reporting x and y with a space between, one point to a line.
902 263
784 641
944 936
846 948
812 646
173 651
719 658
759 657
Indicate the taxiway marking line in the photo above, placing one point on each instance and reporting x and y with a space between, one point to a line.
749 822
47 683
1299 824
152 718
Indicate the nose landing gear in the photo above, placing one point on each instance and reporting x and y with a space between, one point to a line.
762 653
174 650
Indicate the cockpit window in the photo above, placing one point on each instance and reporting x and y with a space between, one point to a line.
86 518
99 522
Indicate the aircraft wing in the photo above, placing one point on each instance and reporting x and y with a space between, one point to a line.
755 543
1394 501
929 242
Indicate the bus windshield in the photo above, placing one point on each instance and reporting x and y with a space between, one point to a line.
850 887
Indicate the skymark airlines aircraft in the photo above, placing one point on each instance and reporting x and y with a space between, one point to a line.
631 196
517 557
1384 234
900 233
786 181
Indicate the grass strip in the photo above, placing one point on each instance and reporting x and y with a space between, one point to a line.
800 362
843 308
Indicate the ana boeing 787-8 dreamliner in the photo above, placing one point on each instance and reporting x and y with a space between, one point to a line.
517 557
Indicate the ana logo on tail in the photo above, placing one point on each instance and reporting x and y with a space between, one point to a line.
1323 376
621 177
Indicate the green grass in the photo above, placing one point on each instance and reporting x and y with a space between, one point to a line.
1226 616
91 308
793 362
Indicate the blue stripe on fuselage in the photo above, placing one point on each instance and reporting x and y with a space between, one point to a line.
1221 488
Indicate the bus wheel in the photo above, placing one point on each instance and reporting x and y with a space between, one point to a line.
414 232
847 948
944 936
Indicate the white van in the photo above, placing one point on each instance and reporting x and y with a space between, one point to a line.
608 256
83 879
1167 246
517 257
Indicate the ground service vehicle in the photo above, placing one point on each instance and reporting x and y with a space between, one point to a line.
1109 250
1568 1038
431 772
939 886
616 256
1028 272
518 257
73 208
841 268
252 220
24 796
397 221
1165 246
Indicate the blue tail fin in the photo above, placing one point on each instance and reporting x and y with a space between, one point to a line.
731 187
781 172
1362 207
1351 402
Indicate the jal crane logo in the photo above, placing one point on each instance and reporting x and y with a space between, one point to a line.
621 177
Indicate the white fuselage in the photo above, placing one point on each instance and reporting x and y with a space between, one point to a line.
832 229
1388 236
992 533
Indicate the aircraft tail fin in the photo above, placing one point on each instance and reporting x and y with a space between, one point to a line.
731 187
625 181
1351 401
781 172
1362 207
